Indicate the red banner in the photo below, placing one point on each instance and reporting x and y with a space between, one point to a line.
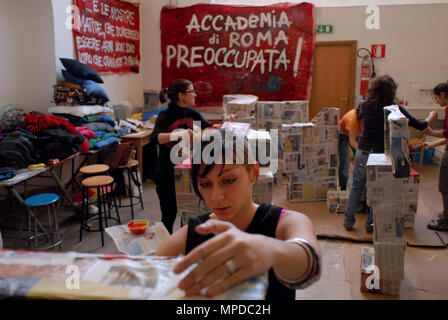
266 51
107 35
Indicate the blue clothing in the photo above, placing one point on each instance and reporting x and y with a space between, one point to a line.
359 183
146 116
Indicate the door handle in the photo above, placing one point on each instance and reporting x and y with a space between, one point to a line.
344 99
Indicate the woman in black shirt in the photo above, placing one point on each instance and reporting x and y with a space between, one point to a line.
179 115
380 94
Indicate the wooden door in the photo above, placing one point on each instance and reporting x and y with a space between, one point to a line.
333 82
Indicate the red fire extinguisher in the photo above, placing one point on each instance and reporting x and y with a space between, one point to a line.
365 75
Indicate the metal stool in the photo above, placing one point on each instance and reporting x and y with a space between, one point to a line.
132 168
45 200
101 183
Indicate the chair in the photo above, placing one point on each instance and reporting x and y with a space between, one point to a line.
45 200
105 196
415 148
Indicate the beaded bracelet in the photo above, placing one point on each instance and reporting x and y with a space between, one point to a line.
314 267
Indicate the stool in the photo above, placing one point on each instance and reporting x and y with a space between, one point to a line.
132 167
101 183
94 169
45 200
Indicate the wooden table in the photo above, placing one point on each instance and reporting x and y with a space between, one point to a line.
138 139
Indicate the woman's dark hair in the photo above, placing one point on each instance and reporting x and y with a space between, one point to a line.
382 91
441 87
172 92
229 140
358 108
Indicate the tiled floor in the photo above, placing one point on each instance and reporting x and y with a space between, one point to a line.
425 276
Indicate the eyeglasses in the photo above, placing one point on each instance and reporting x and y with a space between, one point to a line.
190 91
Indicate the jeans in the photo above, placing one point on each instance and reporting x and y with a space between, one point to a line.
359 183
344 160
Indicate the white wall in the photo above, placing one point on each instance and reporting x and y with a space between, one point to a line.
119 87
415 39
27 52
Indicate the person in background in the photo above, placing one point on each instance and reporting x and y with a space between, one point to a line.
440 93
179 115
240 240
380 94
349 130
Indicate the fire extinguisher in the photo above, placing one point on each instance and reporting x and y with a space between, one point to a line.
367 71
365 75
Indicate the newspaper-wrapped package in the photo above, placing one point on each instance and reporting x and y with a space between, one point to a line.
389 257
262 188
295 111
389 223
242 105
396 140
337 200
385 189
260 143
72 275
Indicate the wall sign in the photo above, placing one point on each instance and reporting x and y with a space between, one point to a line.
107 35
378 51
265 51
324 28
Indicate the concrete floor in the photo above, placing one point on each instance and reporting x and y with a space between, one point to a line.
425 276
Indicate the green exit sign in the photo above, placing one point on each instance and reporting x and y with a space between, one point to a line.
324 28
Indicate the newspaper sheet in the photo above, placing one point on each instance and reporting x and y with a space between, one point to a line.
141 244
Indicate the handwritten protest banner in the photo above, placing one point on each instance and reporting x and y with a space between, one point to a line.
266 51
107 35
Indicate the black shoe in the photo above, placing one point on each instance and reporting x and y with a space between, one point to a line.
348 228
439 225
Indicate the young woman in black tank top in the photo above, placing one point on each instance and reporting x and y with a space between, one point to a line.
240 240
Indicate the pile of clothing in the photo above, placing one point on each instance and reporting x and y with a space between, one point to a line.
81 86
29 138
99 130
67 93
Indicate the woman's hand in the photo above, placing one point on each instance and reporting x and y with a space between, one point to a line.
250 253
231 118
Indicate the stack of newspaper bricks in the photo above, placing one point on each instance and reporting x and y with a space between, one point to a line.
272 114
309 152
391 191
188 203
337 199
242 105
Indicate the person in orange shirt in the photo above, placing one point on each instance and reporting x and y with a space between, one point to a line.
350 127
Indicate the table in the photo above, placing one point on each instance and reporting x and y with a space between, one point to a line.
138 139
